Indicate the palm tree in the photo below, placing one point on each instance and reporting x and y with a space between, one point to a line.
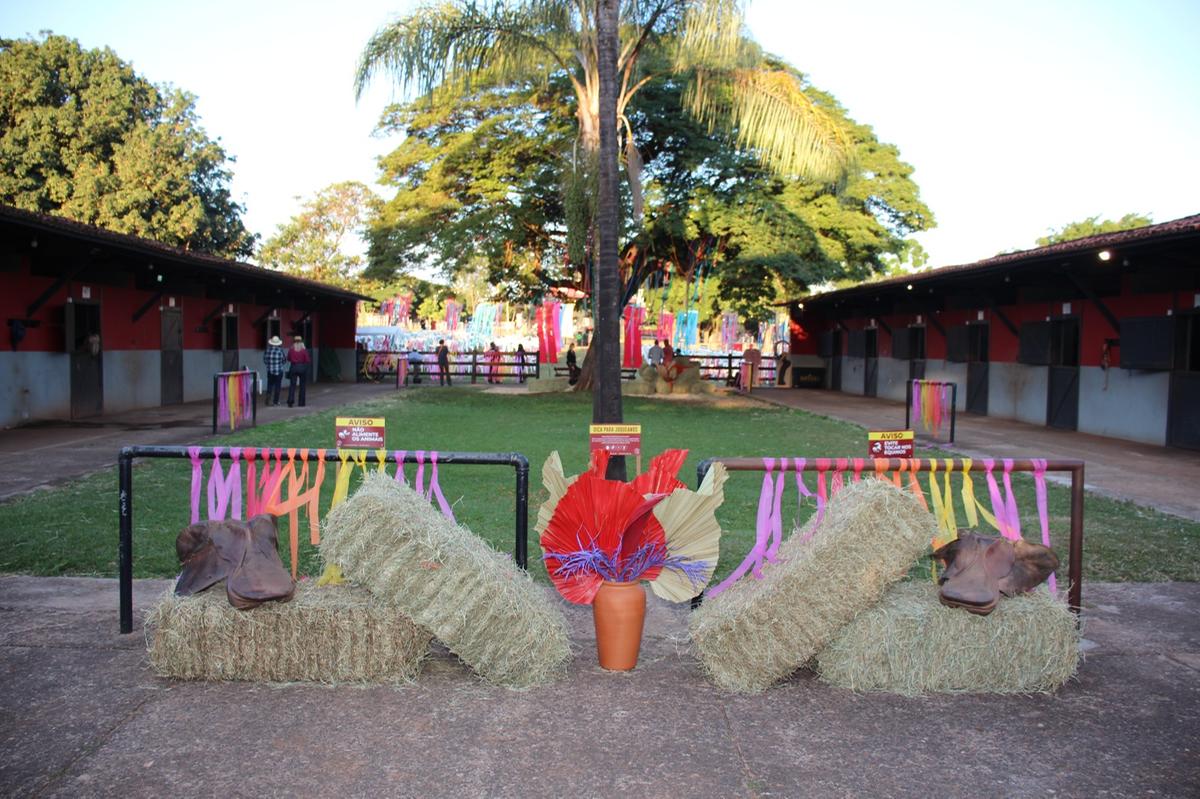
606 399
730 86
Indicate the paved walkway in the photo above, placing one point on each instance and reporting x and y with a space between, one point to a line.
82 715
1141 473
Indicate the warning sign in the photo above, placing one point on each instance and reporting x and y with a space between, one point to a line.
890 443
617 439
363 432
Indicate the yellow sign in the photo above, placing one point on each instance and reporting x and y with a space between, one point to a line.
889 435
615 429
355 421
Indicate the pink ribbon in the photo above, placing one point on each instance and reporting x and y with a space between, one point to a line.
400 466
916 401
1010 501
1039 481
435 488
753 560
197 480
252 501
999 507
222 488
420 481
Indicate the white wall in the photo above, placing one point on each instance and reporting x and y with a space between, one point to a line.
1109 412
132 379
1017 391
34 385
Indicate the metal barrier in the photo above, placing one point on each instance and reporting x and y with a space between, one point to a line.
125 480
1075 546
726 368
373 366
217 377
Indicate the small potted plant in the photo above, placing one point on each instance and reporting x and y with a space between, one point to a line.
601 538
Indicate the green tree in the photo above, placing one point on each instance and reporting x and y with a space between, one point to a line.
728 87
314 244
477 179
84 137
1093 226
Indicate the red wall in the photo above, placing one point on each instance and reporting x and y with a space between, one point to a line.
333 324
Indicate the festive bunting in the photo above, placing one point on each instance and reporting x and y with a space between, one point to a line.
932 403
235 398
632 355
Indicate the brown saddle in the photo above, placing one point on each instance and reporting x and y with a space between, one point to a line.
243 554
979 568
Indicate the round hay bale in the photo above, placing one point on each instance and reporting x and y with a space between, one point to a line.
911 644
475 600
334 634
760 631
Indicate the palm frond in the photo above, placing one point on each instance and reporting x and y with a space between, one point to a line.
458 40
768 112
712 35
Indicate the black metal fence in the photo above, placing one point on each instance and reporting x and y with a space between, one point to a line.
919 465
125 497
473 366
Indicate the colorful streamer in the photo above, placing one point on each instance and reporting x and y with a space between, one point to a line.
1039 482
932 404
634 315
235 398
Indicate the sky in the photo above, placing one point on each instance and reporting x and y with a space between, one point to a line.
1018 116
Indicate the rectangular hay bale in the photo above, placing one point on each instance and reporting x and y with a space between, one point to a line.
329 634
911 644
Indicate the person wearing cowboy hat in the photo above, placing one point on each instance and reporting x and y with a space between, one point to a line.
275 359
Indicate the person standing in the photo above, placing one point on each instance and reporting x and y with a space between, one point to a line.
521 363
443 361
274 358
414 363
572 366
493 359
655 354
299 362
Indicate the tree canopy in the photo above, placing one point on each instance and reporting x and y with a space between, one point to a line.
316 243
480 185
85 137
1093 226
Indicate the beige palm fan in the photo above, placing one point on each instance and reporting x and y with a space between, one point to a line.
556 483
693 534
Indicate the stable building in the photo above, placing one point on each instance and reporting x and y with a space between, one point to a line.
99 322
1099 335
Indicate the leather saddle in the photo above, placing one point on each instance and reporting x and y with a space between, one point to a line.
980 568
243 554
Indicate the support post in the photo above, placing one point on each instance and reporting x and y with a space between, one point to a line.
1075 549
125 544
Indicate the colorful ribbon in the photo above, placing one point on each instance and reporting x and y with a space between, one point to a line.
1039 482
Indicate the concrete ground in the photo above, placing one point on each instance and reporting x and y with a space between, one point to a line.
1141 473
81 714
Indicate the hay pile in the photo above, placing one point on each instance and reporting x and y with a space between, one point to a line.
336 634
911 644
760 631
475 600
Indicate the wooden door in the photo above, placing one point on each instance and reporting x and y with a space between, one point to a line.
171 364
81 321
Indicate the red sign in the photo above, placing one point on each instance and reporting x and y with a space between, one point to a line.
890 443
355 432
617 439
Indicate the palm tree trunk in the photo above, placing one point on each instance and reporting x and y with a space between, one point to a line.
606 397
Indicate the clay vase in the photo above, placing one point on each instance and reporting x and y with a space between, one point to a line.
619 611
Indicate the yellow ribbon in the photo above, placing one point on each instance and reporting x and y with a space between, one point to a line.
341 486
381 456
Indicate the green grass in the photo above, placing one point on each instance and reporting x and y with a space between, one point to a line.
73 529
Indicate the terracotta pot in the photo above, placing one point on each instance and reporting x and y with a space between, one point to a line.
619 611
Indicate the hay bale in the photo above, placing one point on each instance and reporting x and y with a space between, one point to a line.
334 634
475 600
760 631
911 644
